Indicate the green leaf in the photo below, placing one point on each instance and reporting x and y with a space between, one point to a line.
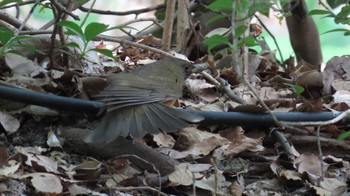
4 2
105 52
29 47
240 30
344 12
6 35
342 21
21 37
73 27
73 45
336 30
220 5
215 18
335 3
298 89
247 41
216 40
15 52
318 12
262 7
93 29
342 136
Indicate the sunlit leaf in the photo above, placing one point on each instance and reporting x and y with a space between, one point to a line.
318 12
4 2
73 27
336 30
105 52
220 5
93 29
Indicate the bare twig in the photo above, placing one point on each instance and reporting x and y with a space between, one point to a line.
210 78
13 21
130 43
136 12
230 93
320 155
27 17
20 4
284 143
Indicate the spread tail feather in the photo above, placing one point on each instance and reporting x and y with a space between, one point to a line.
139 120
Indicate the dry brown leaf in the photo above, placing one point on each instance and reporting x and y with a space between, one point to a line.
75 189
88 170
181 176
9 122
237 187
45 182
310 163
3 156
238 143
164 140
9 169
214 183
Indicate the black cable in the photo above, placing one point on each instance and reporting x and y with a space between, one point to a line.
221 118
48 100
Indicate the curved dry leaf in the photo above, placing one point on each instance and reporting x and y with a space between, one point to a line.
310 163
9 122
88 170
237 187
52 140
45 182
10 169
215 183
238 143
164 140
181 176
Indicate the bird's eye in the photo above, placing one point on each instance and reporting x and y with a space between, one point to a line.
187 68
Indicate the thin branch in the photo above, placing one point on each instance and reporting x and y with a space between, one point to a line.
130 43
27 17
136 12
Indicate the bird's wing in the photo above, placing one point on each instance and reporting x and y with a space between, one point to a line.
127 89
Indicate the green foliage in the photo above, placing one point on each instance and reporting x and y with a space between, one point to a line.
342 136
340 18
90 32
296 88
8 41
221 5
335 3
244 9
4 2
216 40
216 18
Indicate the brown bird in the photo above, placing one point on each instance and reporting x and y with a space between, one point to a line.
135 99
